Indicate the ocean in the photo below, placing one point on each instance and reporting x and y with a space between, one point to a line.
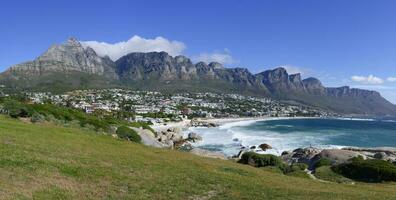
290 134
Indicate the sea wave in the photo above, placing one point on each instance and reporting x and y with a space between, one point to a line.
230 137
238 123
392 121
355 119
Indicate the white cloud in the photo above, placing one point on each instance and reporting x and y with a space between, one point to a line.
223 57
372 80
391 79
136 44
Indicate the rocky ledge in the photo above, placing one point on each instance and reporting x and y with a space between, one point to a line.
311 155
198 123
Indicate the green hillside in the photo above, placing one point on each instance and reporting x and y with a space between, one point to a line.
44 161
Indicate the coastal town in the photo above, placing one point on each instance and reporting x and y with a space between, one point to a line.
145 106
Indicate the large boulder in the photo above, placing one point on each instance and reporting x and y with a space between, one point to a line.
265 146
194 137
380 155
301 155
336 156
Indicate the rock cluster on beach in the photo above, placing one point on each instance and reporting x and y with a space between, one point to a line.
173 138
197 123
170 136
311 155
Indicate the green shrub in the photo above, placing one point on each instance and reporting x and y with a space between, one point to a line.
299 173
367 170
327 174
128 134
298 166
322 162
260 160
142 125
16 109
293 168
36 117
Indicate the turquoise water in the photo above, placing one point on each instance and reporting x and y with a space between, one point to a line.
289 134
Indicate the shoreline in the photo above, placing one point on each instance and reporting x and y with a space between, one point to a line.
185 124
223 121
227 123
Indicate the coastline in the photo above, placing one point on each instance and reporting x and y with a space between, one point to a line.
185 124
222 121
223 124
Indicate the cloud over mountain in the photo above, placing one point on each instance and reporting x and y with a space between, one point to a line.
136 44
371 79
223 57
391 79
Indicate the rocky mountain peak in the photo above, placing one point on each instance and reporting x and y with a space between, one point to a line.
65 58
216 65
312 83
72 41
182 60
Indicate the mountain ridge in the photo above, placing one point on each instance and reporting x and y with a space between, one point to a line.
71 65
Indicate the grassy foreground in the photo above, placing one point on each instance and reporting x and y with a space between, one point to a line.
51 162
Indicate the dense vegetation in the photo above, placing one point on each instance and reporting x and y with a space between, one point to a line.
322 162
101 122
371 170
44 161
260 160
274 162
126 133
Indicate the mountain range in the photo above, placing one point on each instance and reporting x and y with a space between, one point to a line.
73 66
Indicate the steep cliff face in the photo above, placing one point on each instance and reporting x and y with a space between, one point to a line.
70 64
155 66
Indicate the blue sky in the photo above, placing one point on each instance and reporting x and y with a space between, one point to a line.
341 42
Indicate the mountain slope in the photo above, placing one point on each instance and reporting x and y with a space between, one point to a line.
51 162
71 66
68 65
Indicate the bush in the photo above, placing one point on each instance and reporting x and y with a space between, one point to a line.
36 117
16 109
261 160
128 134
298 166
294 167
322 162
367 170
143 125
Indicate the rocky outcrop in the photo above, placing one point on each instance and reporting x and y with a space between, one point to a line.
301 155
169 137
265 146
311 156
336 156
194 137
198 123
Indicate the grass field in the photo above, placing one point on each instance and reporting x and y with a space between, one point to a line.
51 162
